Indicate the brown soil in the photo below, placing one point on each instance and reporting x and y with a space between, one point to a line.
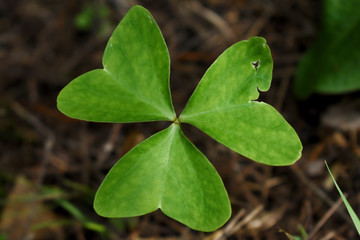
51 165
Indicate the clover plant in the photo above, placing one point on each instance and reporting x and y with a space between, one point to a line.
332 64
166 171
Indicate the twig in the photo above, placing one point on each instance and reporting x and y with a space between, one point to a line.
109 145
49 140
84 151
284 85
43 130
328 236
322 221
318 192
214 19
235 225
80 54
259 24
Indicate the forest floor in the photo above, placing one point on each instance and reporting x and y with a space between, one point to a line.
51 165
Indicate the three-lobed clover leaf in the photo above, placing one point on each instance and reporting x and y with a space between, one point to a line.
166 171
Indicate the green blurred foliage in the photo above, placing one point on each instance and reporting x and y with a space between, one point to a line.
332 64
96 17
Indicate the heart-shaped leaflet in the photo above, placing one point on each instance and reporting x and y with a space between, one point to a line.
133 86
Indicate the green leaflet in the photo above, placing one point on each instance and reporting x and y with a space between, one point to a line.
255 130
233 79
134 84
222 106
332 64
165 171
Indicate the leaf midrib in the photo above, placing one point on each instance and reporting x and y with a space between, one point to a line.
134 166
186 116
137 96
167 164
196 173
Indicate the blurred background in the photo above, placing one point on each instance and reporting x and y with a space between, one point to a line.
51 165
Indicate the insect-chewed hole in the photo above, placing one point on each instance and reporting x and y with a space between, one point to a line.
256 64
